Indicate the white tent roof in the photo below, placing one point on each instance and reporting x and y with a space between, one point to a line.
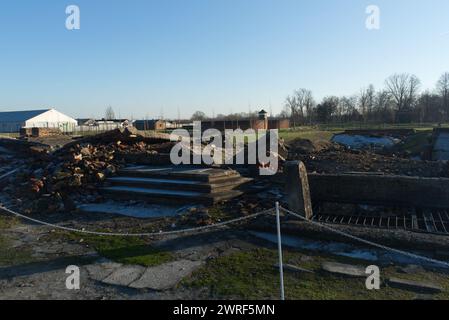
46 115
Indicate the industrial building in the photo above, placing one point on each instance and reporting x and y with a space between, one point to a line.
144 125
262 122
102 124
13 121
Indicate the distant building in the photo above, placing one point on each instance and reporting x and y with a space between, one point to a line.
13 121
262 122
156 125
102 124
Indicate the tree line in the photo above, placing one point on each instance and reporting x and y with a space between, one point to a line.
400 101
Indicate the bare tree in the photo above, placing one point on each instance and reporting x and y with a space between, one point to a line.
348 108
198 116
300 105
291 105
305 103
326 109
300 101
382 106
443 91
109 113
404 90
366 101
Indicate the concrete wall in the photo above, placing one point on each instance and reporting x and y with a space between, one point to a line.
244 124
278 124
143 125
380 190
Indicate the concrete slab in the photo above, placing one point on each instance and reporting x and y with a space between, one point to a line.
136 211
165 276
344 269
422 287
124 275
411 269
100 271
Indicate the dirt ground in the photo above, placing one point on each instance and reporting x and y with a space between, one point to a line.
221 264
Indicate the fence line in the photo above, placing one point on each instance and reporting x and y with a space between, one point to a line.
275 211
370 243
225 223
148 234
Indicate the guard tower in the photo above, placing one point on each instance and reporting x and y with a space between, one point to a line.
263 116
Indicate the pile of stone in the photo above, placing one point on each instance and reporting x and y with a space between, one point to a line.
337 159
54 181
300 146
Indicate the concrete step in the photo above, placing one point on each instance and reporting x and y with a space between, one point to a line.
163 195
194 173
179 184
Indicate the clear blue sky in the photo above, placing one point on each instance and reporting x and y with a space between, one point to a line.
147 57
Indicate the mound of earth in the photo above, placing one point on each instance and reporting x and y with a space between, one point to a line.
305 146
338 161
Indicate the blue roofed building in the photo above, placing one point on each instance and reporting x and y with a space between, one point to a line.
13 121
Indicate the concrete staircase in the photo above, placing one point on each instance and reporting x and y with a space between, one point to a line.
181 184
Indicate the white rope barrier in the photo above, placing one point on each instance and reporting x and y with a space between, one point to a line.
225 223
151 234
370 243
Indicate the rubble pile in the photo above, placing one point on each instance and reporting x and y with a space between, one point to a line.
54 181
299 147
337 159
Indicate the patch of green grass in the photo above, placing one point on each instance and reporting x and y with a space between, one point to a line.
8 222
218 213
126 250
8 255
252 275
9 135
377 126
416 143
307 133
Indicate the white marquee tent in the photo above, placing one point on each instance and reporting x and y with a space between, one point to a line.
13 121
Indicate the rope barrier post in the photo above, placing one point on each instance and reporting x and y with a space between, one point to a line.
281 266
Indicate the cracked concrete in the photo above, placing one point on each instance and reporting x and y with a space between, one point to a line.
42 275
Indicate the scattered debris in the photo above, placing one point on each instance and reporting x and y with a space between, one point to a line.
305 146
54 181
339 160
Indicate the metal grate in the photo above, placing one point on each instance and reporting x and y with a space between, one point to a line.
429 221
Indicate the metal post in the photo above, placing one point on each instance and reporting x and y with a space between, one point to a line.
281 266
